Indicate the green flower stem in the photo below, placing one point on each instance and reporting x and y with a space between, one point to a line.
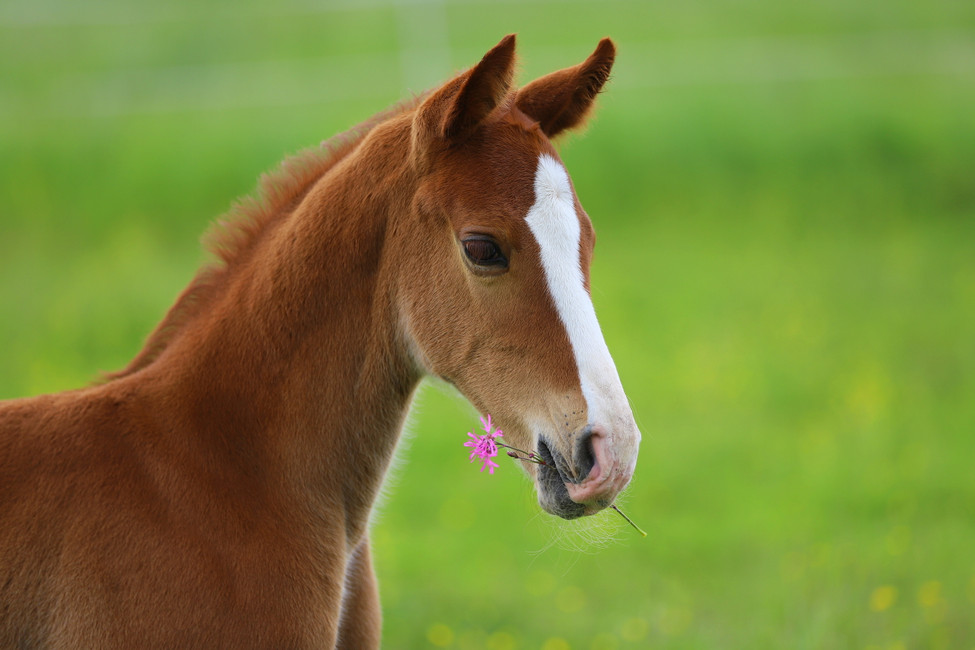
629 521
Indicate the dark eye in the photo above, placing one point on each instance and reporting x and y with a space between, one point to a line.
484 252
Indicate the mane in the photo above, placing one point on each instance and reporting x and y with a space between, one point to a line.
232 236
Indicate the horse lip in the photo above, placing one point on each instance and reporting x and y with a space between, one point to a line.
552 491
554 497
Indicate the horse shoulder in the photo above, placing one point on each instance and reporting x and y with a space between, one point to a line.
126 539
48 462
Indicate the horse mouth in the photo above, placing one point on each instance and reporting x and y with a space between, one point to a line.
553 496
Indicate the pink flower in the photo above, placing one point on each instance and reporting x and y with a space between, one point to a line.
490 464
485 447
487 424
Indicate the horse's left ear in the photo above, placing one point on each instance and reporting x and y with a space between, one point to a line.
561 100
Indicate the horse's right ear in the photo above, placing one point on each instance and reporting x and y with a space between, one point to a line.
455 110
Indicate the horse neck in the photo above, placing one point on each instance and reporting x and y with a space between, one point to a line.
298 371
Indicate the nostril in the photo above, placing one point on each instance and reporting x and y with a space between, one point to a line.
576 466
559 464
585 456
545 453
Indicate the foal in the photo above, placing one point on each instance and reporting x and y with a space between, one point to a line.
216 492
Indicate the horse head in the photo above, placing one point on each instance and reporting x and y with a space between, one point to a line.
494 290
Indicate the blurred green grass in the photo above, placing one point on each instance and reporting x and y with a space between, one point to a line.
784 195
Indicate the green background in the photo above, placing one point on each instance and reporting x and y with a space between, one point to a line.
784 195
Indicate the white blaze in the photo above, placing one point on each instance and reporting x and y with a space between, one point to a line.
553 221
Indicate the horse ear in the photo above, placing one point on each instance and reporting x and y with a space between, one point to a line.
455 110
486 85
561 100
